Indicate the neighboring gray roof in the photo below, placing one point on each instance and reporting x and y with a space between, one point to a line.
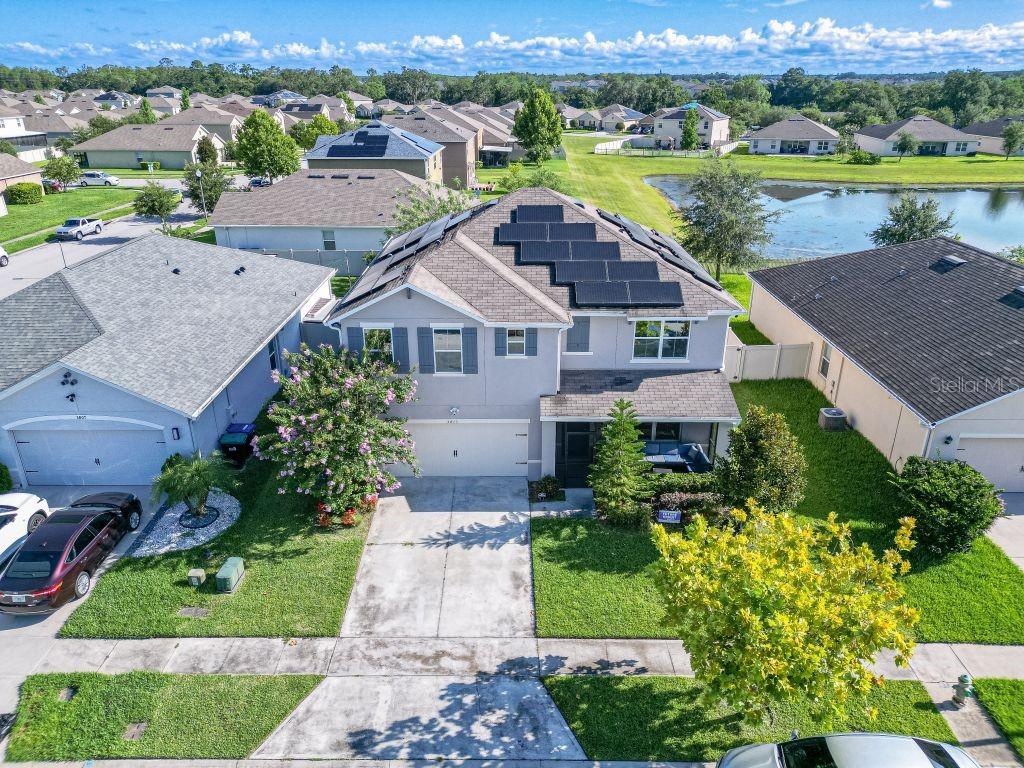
941 339
163 89
430 127
176 339
618 110
395 143
922 127
11 166
796 127
54 123
654 394
680 114
311 108
204 115
991 127
319 198
157 138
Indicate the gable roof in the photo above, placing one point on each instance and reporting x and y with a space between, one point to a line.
202 115
618 110
462 253
319 198
922 127
431 127
54 123
992 127
680 113
157 137
111 317
914 318
796 127
11 167
376 140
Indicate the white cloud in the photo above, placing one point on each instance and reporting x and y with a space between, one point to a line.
941 3
785 3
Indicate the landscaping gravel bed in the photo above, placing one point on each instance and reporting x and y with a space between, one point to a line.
165 534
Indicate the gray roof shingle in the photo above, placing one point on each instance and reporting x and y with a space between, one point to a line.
11 166
175 339
400 144
796 127
154 138
984 128
941 339
922 127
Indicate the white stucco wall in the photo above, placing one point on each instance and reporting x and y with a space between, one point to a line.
885 148
768 146
299 238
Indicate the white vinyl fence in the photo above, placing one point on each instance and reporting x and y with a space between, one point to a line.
765 361
346 262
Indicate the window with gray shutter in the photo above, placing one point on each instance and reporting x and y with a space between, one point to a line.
425 347
469 353
577 338
400 340
531 342
500 342
355 340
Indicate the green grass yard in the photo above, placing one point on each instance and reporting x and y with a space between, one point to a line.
56 208
188 716
659 718
591 581
1004 700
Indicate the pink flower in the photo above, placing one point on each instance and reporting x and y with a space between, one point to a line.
294 370
349 383
364 447
390 396
275 376
280 490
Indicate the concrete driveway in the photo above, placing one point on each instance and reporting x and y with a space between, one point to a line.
1008 531
25 640
446 557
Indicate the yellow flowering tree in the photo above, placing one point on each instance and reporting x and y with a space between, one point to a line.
773 608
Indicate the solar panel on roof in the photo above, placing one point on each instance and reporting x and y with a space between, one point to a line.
654 293
518 233
574 231
580 271
632 270
543 252
602 294
587 250
545 213
636 232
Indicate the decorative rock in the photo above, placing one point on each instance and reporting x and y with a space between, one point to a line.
165 534
196 577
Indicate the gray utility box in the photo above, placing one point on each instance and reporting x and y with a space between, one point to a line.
230 574
832 419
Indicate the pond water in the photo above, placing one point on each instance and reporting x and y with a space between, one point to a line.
822 219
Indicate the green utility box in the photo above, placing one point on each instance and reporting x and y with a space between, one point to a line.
230 574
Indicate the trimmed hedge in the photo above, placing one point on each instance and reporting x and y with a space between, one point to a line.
684 482
24 193
145 165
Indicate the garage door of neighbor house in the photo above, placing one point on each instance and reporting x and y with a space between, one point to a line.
471 448
91 456
1000 459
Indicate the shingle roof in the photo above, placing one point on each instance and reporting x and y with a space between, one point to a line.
653 393
204 115
124 317
991 127
680 114
158 137
922 127
11 166
618 110
941 337
487 276
54 123
399 144
796 127
319 198
431 127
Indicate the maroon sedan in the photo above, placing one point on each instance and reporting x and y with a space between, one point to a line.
60 557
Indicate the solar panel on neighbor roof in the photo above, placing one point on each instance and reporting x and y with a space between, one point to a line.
356 150
525 213
602 294
654 293
573 231
543 251
509 232
587 250
632 270
580 271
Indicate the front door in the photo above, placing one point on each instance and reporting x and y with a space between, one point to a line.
574 451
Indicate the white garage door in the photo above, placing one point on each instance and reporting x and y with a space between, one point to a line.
91 456
470 448
1001 459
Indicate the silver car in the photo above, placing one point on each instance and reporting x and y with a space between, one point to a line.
849 750
99 179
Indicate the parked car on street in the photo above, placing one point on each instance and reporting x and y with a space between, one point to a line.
849 750
5 258
76 229
20 514
99 179
52 185
260 182
60 557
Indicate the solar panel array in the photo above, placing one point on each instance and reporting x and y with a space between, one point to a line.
364 144
593 267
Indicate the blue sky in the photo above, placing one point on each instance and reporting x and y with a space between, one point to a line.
537 35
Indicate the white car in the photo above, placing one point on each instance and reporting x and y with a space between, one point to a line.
849 750
99 179
20 514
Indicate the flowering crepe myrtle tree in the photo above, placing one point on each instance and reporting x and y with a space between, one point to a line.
333 438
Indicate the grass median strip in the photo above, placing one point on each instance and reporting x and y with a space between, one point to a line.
55 209
660 718
1004 700
185 716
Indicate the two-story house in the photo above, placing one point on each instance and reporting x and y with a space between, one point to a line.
712 125
524 319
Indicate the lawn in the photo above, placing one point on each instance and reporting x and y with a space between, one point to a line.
55 209
739 286
659 718
1004 700
297 582
188 716
974 597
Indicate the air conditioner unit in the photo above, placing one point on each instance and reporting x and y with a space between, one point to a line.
832 419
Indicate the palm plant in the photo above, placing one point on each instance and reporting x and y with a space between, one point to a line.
190 481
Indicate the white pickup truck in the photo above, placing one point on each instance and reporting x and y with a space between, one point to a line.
78 228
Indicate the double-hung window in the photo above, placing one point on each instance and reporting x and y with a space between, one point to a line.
515 345
823 146
377 343
961 146
275 363
448 350
330 244
826 359
661 339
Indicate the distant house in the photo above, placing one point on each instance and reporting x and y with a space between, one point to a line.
337 109
15 171
117 99
128 146
593 85
164 105
989 134
569 113
712 125
363 104
934 138
217 121
391 107
796 135
610 118
54 126
379 145
458 161
277 98
342 214
30 145
690 88
306 111
166 91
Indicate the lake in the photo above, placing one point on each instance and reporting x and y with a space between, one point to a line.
822 219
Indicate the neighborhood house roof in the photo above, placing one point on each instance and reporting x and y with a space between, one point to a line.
157 316
375 140
153 138
11 167
320 198
796 127
204 115
922 127
431 127
680 114
937 322
54 123
991 127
